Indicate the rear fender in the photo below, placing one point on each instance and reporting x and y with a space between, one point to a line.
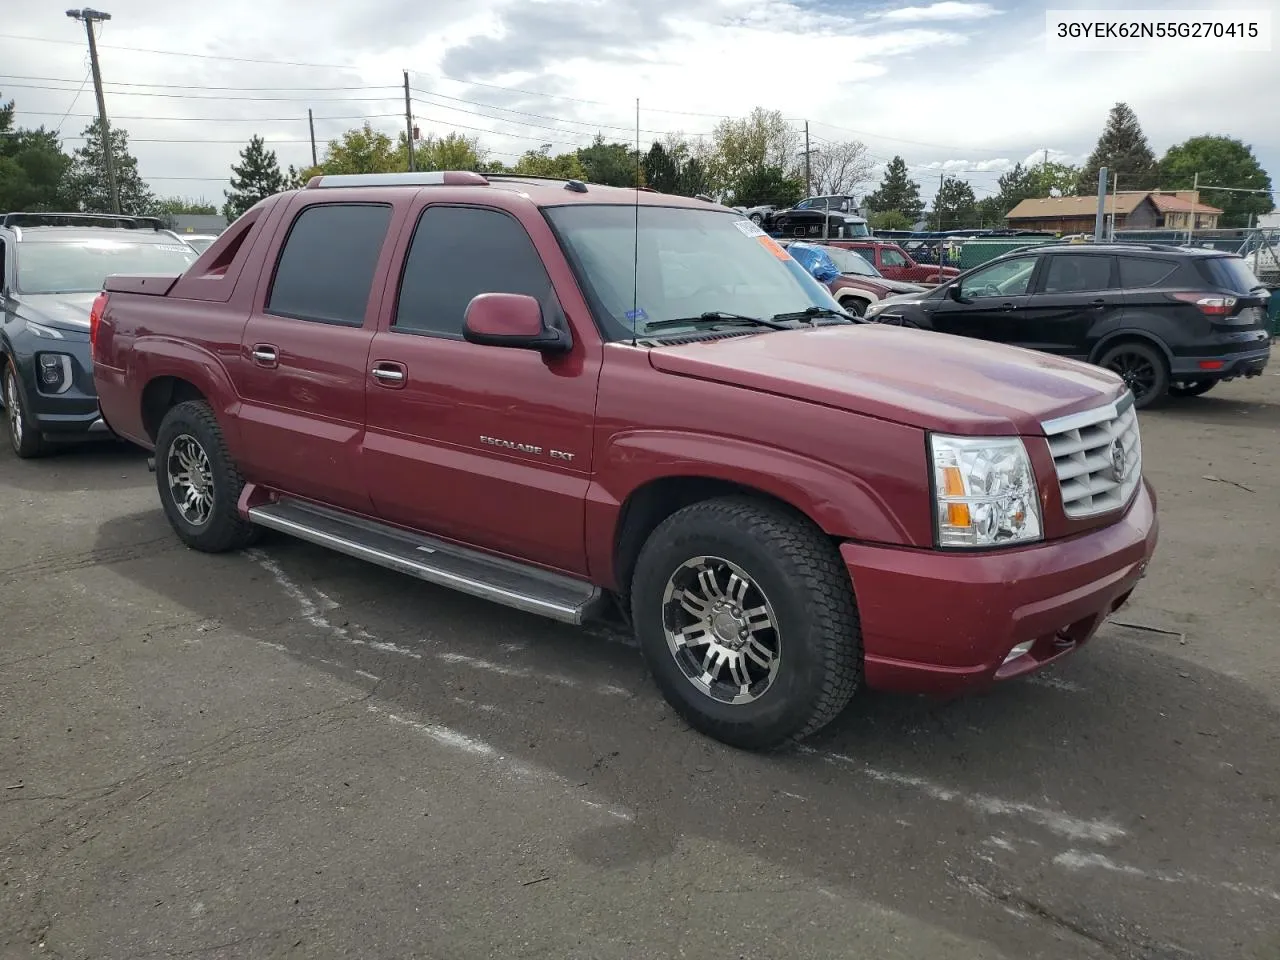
840 503
155 357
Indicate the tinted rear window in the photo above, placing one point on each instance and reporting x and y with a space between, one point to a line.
1229 273
1144 272
326 269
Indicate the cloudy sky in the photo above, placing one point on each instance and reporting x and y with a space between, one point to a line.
969 87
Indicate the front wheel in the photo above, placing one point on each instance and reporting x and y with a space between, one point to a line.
1143 370
1191 388
24 435
198 482
855 306
746 617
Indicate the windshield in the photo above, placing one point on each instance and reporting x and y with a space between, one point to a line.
849 261
690 262
200 243
81 266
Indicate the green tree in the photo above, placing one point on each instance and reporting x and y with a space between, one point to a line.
183 206
769 185
955 205
756 155
256 177
1222 162
541 163
897 191
85 182
890 220
453 151
360 150
1123 150
609 164
32 166
1054 179
661 170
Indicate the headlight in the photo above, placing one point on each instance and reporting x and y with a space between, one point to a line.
985 492
874 308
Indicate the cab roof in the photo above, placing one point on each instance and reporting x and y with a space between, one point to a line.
543 191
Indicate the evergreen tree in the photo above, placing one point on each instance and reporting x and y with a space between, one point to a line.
661 170
955 205
609 164
32 166
256 177
1123 150
897 191
85 183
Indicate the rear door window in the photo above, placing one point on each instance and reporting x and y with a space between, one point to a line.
1079 274
325 270
1138 272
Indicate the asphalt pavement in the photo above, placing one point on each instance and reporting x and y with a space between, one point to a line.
288 753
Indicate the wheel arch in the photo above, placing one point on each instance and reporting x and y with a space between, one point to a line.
1130 335
160 395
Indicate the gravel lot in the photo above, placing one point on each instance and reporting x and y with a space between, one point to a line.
289 753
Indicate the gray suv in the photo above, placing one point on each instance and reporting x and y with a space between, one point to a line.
52 266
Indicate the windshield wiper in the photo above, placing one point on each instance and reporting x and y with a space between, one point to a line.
715 316
812 313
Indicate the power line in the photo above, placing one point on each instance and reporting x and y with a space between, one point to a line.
185 86
346 66
216 96
74 100
295 117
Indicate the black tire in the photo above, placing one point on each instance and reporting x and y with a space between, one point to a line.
1143 368
805 584
222 529
854 305
24 436
757 219
1192 388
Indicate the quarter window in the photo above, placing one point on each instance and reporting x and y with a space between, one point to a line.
326 268
458 253
1141 272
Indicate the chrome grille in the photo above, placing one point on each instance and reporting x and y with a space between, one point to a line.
1087 448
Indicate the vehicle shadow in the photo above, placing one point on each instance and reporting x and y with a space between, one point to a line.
1218 411
78 466
1126 800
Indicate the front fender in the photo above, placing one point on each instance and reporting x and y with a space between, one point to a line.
840 502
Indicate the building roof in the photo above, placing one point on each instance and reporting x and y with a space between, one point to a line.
1122 203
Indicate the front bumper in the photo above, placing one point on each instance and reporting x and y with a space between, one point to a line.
943 623
71 414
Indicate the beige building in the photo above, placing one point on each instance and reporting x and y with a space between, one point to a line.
1132 209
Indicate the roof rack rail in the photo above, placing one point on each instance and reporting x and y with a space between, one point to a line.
430 178
81 219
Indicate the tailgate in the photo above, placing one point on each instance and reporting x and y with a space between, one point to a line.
150 285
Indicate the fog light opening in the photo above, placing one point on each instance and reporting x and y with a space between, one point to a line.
55 372
1020 650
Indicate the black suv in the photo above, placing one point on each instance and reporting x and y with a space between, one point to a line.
52 266
1169 320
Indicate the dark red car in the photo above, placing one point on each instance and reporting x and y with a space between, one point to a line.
857 284
895 263
583 401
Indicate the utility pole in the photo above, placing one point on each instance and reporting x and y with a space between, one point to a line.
1115 198
89 17
408 120
808 176
311 125
1046 158
942 179
1195 202
1102 200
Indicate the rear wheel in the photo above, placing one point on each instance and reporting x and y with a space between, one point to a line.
746 616
24 436
855 306
1142 368
198 482
1191 388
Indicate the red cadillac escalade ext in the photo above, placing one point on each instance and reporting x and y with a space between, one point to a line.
569 398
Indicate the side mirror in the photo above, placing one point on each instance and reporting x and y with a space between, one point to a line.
955 293
511 320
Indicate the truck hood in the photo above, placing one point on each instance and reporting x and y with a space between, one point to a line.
62 311
901 286
929 380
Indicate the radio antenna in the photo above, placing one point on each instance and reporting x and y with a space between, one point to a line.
635 256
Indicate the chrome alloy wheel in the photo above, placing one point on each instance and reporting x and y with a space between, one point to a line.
190 476
721 630
13 407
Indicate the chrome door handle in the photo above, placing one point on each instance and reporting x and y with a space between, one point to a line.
265 354
388 375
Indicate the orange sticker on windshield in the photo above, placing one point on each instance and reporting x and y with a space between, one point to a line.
773 247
